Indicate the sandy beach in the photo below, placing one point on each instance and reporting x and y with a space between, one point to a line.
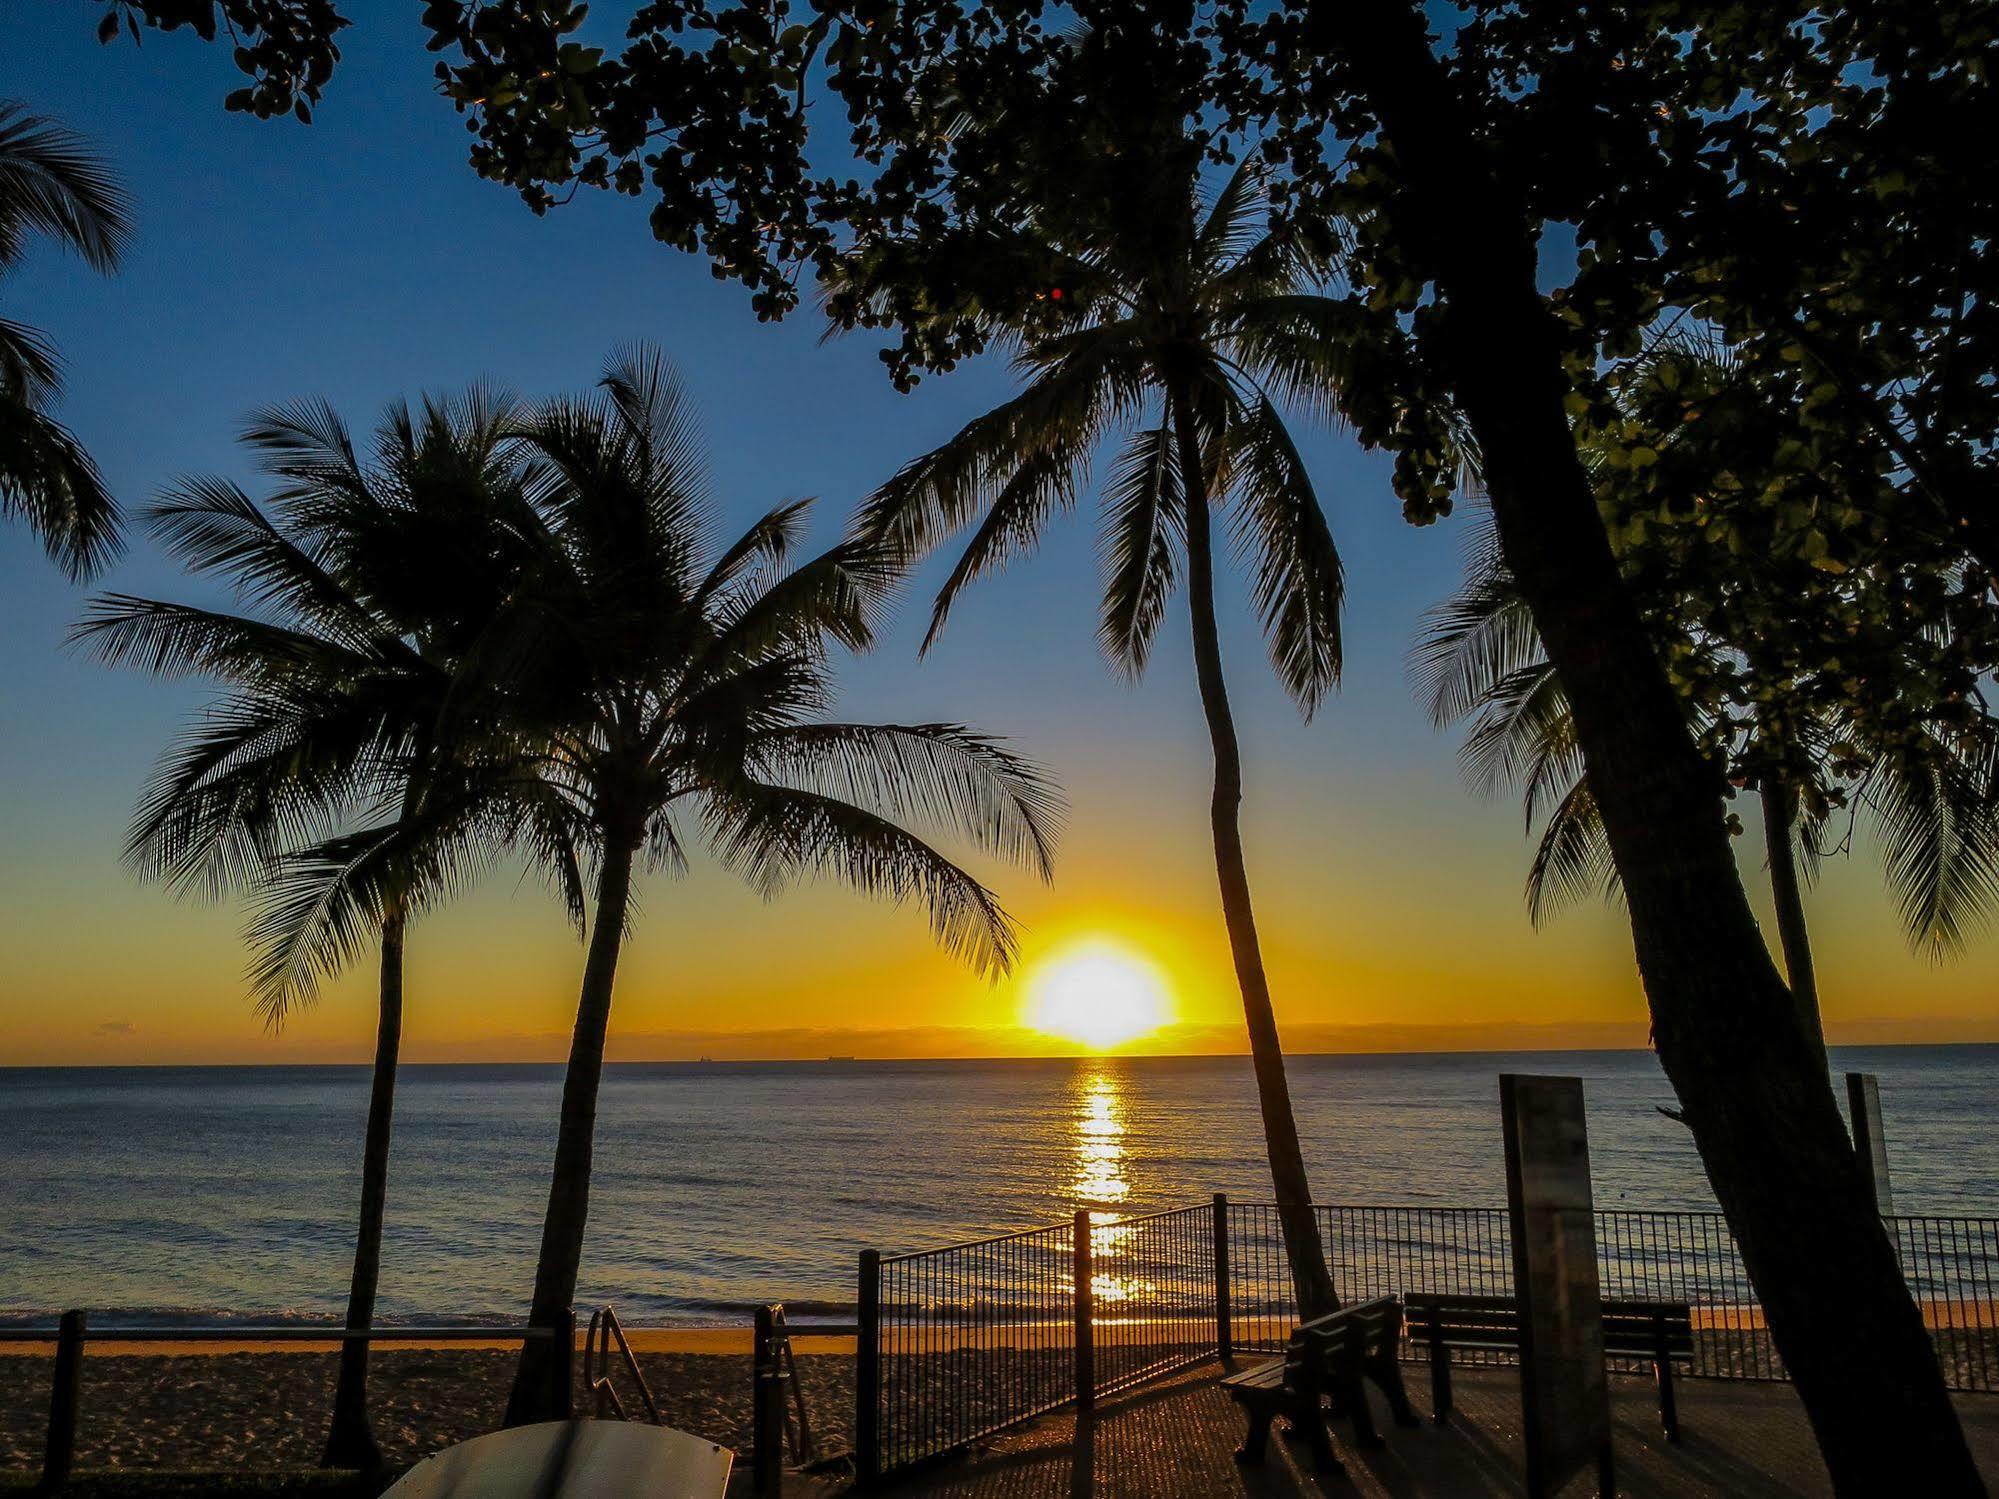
226 1407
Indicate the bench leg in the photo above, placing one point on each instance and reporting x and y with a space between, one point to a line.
1440 1383
1353 1400
1308 1425
1669 1403
1386 1371
1257 1440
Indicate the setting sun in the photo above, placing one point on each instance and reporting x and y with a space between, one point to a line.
1098 994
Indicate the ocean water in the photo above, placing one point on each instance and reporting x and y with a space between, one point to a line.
194 1194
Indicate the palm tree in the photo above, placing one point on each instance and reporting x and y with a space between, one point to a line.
372 581
1929 795
678 683
1175 323
53 186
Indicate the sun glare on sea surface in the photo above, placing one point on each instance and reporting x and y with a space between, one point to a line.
1098 994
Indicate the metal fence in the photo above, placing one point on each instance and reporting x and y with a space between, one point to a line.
1951 1266
962 1341
1152 1294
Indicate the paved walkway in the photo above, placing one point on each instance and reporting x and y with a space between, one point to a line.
1176 1440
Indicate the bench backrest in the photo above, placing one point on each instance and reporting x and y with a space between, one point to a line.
1365 1327
1629 1326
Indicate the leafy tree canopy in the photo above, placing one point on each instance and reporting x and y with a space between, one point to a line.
1799 186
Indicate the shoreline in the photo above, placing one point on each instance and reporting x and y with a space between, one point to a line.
737 1340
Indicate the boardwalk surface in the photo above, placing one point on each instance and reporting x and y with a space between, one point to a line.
1176 1440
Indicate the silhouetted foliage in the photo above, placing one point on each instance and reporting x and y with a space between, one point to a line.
285 47
674 684
53 187
354 776
1803 181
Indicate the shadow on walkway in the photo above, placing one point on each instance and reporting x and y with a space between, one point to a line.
1177 1440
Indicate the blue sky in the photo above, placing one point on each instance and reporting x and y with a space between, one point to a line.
360 259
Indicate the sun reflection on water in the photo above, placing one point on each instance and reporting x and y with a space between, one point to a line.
1098 1180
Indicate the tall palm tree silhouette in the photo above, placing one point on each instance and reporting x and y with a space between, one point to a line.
1175 323
677 684
52 186
348 780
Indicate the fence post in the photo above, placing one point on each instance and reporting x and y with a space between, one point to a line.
868 1370
64 1393
1086 1351
766 1410
1224 1315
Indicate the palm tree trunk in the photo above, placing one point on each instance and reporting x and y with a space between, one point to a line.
1780 817
1753 1089
351 1443
1302 1248
537 1393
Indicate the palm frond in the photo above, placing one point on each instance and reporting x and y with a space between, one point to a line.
211 525
1145 525
50 481
30 371
773 835
179 640
53 184
322 905
1573 860
1940 831
939 494
942 775
1471 643
1042 483
1296 579
766 544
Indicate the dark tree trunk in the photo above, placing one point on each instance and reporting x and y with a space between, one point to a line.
1302 1248
351 1442
1752 1087
1780 820
536 1395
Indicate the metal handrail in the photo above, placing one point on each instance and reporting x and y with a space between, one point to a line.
604 1330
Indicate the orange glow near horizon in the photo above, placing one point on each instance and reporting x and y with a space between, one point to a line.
1097 993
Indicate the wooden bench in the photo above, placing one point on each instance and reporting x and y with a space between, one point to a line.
1329 1356
1662 1331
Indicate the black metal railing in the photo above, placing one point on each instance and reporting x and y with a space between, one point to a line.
1951 1266
965 1340
1153 1295
960 1342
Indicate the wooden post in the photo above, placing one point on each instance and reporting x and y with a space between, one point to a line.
868 1370
766 1410
1224 1318
1565 1398
1086 1351
65 1392
1870 1145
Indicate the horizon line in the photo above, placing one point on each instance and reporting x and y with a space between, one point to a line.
858 1059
